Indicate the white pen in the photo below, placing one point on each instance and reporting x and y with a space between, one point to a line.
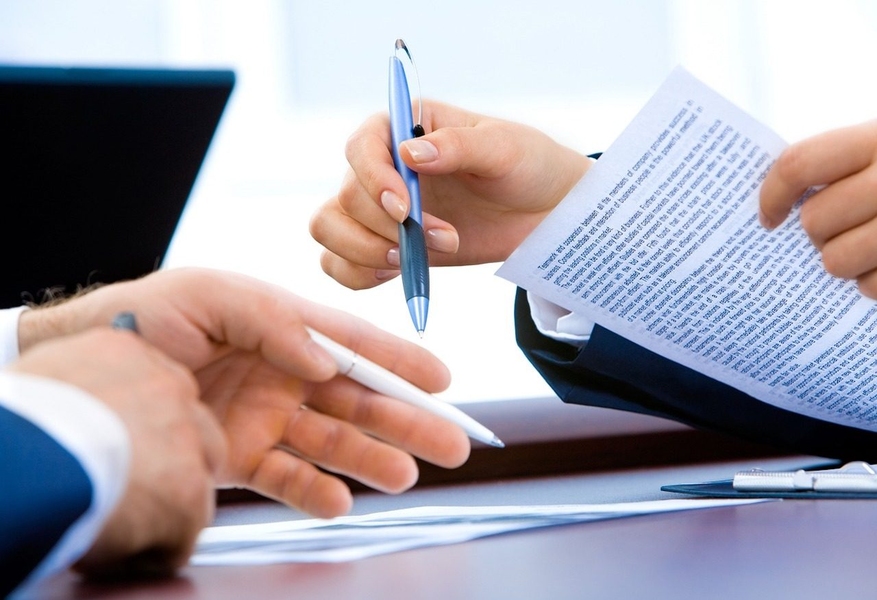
379 379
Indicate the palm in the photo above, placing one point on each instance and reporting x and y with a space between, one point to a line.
491 217
494 205
255 403
288 436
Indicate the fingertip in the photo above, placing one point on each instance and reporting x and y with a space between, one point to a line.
399 476
443 376
338 506
867 285
459 450
394 205
459 453
382 275
442 240
335 500
766 221
407 481
420 151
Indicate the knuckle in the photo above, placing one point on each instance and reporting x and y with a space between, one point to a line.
371 180
810 223
317 224
808 220
195 498
300 483
329 262
358 140
330 446
326 263
347 195
347 274
354 143
829 264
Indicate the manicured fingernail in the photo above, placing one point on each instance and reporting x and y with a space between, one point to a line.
442 240
394 206
393 256
421 151
385 274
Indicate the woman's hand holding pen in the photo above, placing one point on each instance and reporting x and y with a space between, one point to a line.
291 421
840 218
485 184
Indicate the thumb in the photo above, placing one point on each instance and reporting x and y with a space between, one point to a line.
486 150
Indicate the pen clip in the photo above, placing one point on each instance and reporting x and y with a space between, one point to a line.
856 476
418 127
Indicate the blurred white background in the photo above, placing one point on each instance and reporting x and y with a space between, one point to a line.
310 72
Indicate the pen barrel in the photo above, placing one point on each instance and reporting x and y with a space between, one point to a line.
413 259
401 129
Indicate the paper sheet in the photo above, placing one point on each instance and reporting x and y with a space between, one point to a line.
660 243
355 537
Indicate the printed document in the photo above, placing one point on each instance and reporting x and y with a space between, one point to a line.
355 537
660 243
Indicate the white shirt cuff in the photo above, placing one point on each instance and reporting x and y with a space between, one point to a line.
9 333
558 323
93 434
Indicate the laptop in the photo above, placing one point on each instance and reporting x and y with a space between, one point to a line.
99 164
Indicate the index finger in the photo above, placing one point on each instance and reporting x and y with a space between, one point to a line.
819 160
406 359
258 316
368 153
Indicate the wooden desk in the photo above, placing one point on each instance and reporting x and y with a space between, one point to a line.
782 549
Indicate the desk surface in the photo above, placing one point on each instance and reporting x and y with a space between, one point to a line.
782 549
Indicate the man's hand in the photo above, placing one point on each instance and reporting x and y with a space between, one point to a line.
178 447
291 420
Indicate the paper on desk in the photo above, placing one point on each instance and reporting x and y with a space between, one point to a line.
660 243
350 538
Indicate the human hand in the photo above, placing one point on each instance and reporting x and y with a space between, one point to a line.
485 185
840 218
177 446
291 420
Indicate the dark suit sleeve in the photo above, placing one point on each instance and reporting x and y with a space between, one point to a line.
613 372
45 491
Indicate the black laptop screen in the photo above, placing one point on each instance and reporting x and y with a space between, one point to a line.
99 166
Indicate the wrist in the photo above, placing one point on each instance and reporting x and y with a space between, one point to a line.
40 323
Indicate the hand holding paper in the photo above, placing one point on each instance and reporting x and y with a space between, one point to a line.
661 243
841 218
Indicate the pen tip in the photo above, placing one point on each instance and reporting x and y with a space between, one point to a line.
418 306
496 442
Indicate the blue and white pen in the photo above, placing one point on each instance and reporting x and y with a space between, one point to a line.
413 257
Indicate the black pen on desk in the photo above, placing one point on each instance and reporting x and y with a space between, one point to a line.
413 257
